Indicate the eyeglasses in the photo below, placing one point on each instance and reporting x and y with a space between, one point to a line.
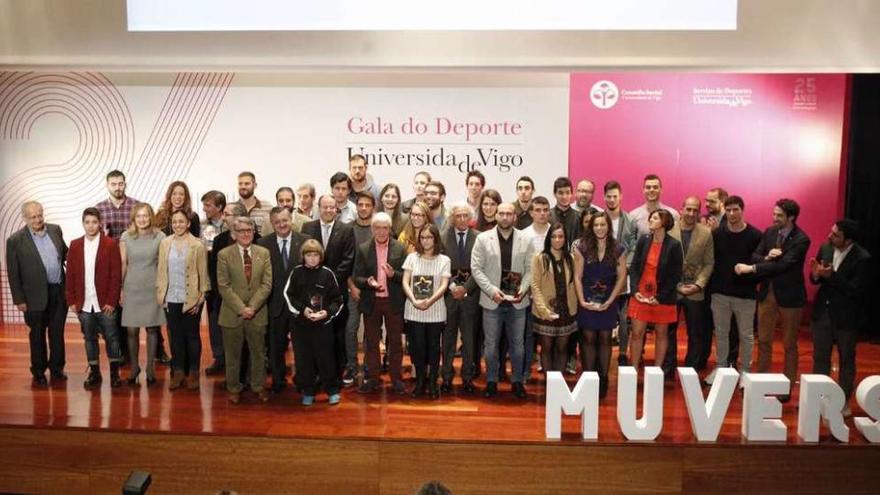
422 215
244 231
426 237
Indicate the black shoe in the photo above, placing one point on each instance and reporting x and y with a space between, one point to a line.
491 390
94 378
446 388
216 368
468 386
115 380
784 398
385 363
151 380
622 360
40 381
132 381
435 391
348 377
368 386
277 388
519 390
399 387
419 389
162 357
58 376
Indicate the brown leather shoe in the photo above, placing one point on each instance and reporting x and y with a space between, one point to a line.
234 398
192 381
263 396
176 382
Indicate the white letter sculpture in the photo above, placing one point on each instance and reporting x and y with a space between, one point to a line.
760 417
649 426
868 397
820 396
707 417
584 400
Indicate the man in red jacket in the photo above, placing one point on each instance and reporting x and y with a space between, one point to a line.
94 278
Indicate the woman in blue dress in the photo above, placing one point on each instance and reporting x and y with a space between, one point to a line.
600 262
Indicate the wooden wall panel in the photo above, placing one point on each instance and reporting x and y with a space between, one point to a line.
485 468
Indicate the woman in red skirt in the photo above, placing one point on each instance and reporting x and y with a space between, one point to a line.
655 273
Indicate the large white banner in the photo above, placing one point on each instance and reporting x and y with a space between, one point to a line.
396 15
61 133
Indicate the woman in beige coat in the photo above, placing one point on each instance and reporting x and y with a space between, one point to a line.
554 300
181 284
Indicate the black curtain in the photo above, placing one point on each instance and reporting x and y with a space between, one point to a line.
863 180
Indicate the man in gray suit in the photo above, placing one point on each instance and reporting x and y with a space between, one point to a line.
462 299
35 258
501 263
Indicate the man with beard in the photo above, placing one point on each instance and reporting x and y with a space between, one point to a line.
584 192
115 218
778 263
715 199
361 181
435 195
501 263
255 208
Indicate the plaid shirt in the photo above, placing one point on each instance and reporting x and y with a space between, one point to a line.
116 220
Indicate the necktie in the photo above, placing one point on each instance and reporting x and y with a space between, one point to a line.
325 234
248 265
461 253
284 256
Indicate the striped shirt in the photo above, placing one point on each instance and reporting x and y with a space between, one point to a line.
435 270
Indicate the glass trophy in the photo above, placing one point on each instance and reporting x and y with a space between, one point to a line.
423 286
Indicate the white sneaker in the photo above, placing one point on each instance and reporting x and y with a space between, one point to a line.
742 379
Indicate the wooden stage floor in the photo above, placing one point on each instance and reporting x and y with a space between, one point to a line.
382 415
64 439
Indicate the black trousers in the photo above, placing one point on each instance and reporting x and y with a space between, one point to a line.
425 348
338 325
313 349
279 338
48 322
186 343
825 335
698 340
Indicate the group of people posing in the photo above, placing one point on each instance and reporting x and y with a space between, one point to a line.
484 278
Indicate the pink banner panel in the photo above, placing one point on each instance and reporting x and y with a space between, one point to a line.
760 136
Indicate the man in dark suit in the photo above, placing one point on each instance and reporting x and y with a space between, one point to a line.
35 258
462 299
841 269
284 249
378 273
337 239
778 262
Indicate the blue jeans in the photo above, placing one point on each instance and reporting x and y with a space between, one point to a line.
97 323
529 346
512 322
